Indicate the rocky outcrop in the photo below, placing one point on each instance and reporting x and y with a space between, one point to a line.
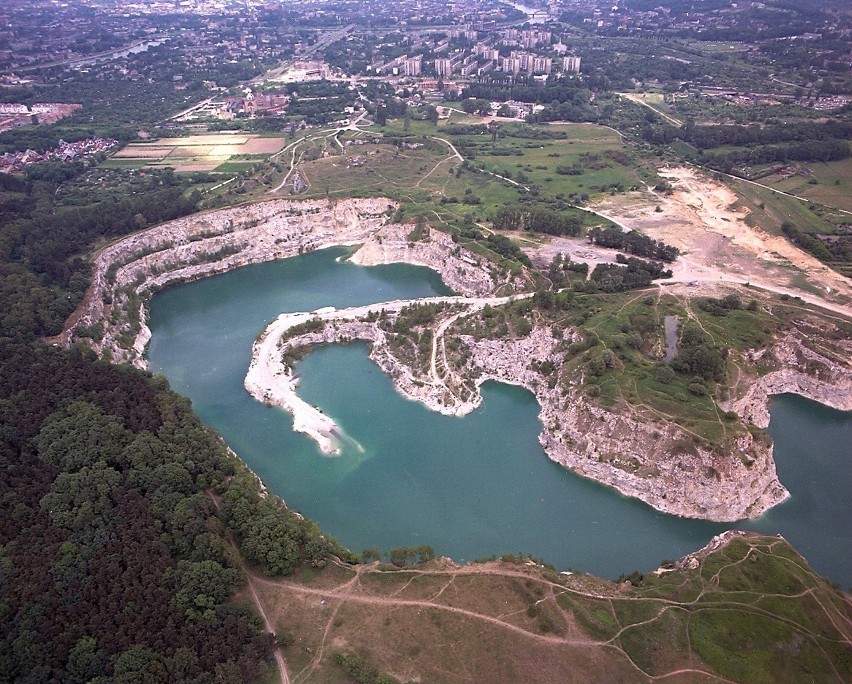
469 273
128 271
653 460
799 370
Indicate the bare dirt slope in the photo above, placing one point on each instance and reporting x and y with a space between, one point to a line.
702 219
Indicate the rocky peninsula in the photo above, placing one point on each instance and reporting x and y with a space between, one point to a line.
640 455
654 460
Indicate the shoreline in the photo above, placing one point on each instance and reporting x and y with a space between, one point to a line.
129 271
615 449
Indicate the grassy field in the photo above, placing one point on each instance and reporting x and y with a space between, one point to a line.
549 165
828 183
749 611
769 211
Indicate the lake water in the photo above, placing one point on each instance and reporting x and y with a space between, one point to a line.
470 487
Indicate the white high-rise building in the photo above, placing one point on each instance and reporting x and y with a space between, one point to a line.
571 64
542 65
443 67
413 65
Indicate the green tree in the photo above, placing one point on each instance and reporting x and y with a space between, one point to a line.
83 497
139 665
86 661
202 586
82 435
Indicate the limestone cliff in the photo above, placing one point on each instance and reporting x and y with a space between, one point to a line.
652 459
128 271
798 369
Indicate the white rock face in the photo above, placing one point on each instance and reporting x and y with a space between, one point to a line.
654 461
803 371
127 272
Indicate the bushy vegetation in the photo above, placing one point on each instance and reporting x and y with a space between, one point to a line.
537 219
633 242
271 536
699 355
115 563
503 246
634 273
361 672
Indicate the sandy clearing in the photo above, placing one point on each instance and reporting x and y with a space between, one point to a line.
577 250
700 217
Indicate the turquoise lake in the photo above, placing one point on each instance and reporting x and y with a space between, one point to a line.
470 487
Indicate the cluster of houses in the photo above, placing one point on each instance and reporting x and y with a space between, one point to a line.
252 104
14 162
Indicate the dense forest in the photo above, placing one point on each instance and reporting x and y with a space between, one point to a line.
113 562
122 513
42 275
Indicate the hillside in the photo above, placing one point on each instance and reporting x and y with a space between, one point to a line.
743 609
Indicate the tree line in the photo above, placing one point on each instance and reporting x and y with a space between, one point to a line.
536 219
633 242
815 150
42 274
564 90
628 274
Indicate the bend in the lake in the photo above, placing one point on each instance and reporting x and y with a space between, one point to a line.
613 445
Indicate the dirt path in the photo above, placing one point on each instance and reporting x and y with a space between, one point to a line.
435 168
279 657
284 676
438 337
355 597
637 99
353 591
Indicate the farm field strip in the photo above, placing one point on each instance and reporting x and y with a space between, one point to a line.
198 153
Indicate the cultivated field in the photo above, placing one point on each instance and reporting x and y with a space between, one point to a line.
197 152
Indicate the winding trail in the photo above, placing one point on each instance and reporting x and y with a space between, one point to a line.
353 592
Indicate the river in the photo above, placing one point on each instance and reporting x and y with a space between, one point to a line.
470 487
